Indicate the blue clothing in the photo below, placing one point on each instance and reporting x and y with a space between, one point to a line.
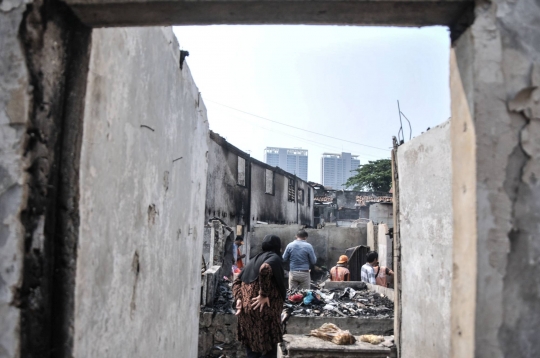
300 254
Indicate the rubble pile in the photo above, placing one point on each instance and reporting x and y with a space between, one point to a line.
339 303
318 302
223 300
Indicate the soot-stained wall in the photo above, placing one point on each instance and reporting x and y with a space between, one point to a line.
226 199
259 193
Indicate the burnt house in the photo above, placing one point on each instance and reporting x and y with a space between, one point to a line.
242 191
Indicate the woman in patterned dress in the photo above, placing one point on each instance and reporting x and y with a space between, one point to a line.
259 292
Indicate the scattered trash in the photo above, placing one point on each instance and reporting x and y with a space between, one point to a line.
336 303
331 332
296 298
317 303
308 298
371 338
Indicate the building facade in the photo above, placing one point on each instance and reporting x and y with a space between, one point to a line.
336 169
292 160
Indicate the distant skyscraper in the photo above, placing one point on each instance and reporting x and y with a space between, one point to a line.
336 169
292 160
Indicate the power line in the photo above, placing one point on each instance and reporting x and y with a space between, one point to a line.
288 125
317 144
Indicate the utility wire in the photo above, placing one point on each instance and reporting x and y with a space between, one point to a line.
288 125
315 143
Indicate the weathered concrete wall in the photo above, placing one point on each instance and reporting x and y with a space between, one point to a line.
328 243
43 65
372 235
495 74
384 246
14 120
217 336
356 326
141 207
382 214
225 198
424 166
15 100
358 12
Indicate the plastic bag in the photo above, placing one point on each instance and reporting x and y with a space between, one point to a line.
308 298
330 332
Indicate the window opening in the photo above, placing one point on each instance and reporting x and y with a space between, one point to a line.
241 172
301 196
292 192
269 182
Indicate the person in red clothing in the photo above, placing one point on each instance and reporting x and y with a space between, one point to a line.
238 256
340 272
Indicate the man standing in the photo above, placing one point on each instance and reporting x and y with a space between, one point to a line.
340 272
237 254
301 257
367 272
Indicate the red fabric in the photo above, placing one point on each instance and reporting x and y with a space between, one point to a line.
239 262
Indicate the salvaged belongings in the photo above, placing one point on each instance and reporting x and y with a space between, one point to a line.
330 332
371 338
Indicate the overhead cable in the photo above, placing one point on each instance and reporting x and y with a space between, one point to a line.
288 125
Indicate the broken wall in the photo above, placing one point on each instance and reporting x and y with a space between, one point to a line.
328 243
425 194
143 184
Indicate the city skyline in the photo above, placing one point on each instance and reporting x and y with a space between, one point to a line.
337 168
292 160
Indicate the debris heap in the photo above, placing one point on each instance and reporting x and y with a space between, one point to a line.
223 300
336 303
319 302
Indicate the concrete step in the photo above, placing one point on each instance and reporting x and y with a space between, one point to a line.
356 325
300 346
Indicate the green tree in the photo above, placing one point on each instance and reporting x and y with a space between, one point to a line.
374 176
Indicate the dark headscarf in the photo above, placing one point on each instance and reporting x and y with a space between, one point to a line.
271 255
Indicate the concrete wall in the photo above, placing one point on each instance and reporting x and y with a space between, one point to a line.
495 73
382 213
424 166
328 243
384 246
43 66
225 199
140 244
14 118
274 209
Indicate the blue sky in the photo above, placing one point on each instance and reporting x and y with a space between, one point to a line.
341 81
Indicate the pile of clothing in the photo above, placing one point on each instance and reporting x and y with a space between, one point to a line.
338 303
